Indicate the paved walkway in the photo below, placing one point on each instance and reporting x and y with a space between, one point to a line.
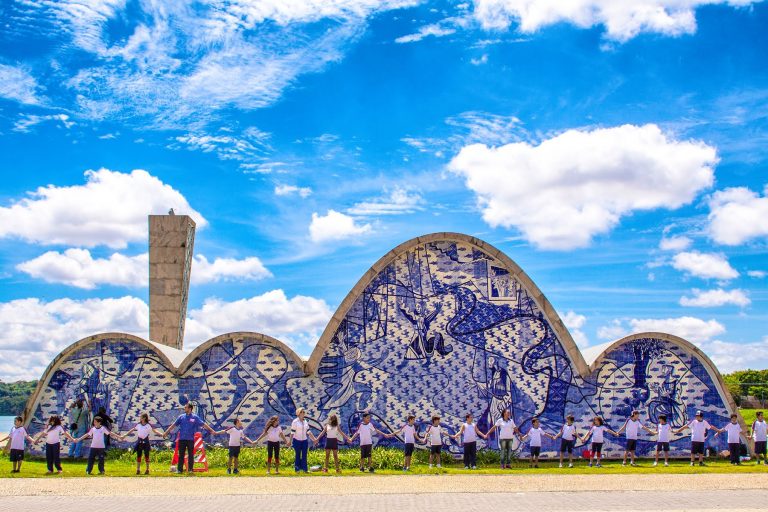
625 501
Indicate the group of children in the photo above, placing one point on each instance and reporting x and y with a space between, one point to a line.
433 436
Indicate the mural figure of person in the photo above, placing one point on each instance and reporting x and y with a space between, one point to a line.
666 402
189 424
423 346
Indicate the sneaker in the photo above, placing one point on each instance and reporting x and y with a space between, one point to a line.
623 463
466 467
702 464
590 464
405 468
691 463
59 471
338 471
325 470
146 472
598 465
87 472
268 472
666 464
655 464
439 466
561 464
633 464
138 472
570 465
535 465
370 470
502 466
362 469
101 472
430 466
236 471
229 471
474 467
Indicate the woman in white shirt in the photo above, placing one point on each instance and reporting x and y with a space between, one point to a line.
143 430
332 432
507 430
299 438
53 433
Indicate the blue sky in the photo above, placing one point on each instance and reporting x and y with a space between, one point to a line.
616 151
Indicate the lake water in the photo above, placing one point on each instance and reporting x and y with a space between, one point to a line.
6 423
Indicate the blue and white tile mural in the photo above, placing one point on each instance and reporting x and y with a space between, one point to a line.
444 328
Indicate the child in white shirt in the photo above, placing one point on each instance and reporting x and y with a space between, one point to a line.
632 427
16 443
98 445
597 432
143 430
435 435
664 433
410 436
568 435
236 436
734 439
332 433
469 433
52 434
366 430
699 427
534 434
274 433
759 434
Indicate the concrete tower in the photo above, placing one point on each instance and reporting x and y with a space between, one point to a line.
171 241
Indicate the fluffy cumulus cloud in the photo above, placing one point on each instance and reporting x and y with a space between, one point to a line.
575 324
298 320
77 267
715 298
564 191
675 243
17 84
730 356
704 265
622 20
335 226
738 215
33 331
397 202
687 327
110 209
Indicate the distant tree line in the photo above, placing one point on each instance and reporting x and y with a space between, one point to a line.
14 395
747 383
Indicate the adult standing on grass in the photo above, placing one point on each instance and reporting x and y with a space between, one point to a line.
189 424
80 420
507 430
298 438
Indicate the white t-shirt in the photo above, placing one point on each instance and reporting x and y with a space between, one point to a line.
97 436
53 435
569 432
143 431
299 429
632 429
435 435
18 437
235 436
331 432
273 434
664 430
470 433
409 434
534 435
365 431
698 430
506 428
759 430
598 433
733 430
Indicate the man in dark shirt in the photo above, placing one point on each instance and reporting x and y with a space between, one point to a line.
189 424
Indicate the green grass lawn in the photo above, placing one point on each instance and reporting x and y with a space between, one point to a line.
387 461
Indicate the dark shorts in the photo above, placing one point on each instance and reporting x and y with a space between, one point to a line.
697 447
331 444
631 445
408 449
273 448
142 447
366 450
535 451
17 455
597 447
234 451
566 446
760 447
435 449
662 446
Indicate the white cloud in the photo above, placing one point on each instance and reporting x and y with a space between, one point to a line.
479 61
738 215
622 20
715 298
17 84
675 243
297 320
704 265
27 121
730 356
434 29
335 226
77 267
757 274
227 269
251 144
576 185
575 324
33 331
287 190
399 201
689 328
110 209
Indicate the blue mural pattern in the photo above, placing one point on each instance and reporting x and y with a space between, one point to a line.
444 329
